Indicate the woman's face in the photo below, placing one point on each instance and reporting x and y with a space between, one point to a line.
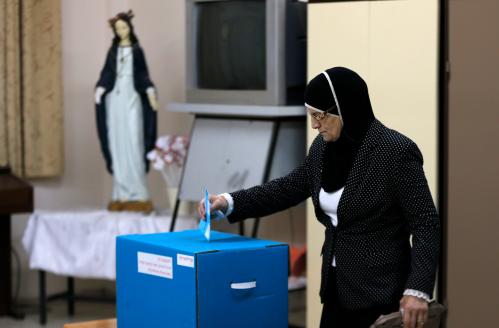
329 125
122 29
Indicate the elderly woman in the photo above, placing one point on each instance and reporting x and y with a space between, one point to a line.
369 191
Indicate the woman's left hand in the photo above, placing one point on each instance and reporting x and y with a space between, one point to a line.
414 311
153 101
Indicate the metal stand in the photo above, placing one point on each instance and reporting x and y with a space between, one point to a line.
275 161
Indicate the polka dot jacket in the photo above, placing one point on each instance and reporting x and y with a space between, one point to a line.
386 199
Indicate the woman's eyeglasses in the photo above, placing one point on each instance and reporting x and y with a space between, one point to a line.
320 115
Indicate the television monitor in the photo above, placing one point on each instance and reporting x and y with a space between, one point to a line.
246 51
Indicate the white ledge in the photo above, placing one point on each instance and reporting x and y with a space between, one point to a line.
237 110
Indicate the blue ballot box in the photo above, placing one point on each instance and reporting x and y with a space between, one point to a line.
179 279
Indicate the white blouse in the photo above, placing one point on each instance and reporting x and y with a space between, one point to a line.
329 204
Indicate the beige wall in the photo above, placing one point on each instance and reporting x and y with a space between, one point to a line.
393 45
86 38
473 214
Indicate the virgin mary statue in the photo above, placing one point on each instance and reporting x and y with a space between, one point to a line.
126 106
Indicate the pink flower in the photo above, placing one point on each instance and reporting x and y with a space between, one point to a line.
169 150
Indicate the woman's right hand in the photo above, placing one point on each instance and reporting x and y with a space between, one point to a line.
217 202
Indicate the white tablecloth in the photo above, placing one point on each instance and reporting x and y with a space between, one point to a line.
82 244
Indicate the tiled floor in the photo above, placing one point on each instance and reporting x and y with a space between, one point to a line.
57 315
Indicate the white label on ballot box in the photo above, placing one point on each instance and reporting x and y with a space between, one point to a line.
155 265
185 260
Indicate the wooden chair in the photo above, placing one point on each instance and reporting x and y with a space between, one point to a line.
110 323
394 320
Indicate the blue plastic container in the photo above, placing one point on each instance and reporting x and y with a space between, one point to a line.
181 280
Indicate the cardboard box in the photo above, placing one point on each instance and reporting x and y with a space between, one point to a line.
181 280
110 323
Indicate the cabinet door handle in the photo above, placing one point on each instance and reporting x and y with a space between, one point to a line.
243 285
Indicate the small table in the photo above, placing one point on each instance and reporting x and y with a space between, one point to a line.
16 196
54 239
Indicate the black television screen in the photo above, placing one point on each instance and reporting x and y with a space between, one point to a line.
231 45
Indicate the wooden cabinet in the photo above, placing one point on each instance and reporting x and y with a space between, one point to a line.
16 196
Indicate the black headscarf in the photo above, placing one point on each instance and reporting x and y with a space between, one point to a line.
353 105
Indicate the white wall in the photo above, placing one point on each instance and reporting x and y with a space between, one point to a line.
86 38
